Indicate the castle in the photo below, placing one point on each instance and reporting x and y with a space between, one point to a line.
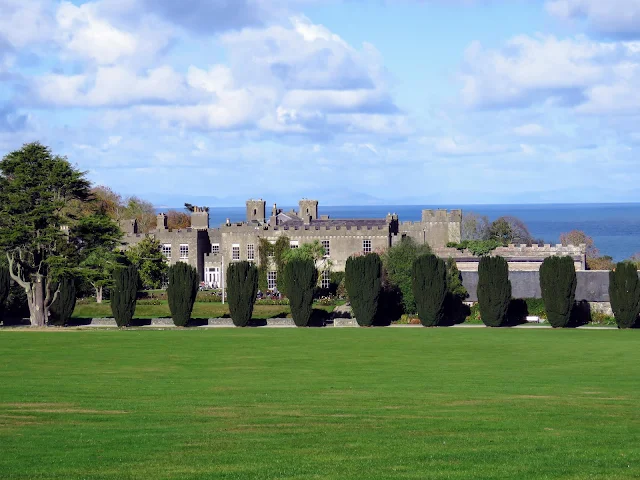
211 250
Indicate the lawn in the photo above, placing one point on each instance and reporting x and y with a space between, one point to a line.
320 403
200 310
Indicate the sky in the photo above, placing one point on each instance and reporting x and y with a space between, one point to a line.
350 102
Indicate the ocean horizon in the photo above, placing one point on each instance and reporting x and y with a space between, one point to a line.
614 227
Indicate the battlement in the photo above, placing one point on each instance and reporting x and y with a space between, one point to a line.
441 215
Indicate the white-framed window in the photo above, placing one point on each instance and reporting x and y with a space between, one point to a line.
251 252
327 248
166 250
366 246
325 281
215 248
272 278
270 253
184 251
235 251
293 244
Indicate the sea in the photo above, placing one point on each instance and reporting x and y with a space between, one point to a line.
614 227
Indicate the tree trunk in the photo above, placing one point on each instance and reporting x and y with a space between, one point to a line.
36 301
99 294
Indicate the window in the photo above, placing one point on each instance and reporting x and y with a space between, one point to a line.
235 252
184 250
251 254
327 249
272 248
271 280
366 246
326 279
215 248
166 250
293 244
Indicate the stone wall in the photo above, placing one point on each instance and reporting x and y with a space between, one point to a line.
592 285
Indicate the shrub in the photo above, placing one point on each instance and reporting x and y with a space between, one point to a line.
242 287
558 287
123 294
301 277
624 292
363 282
429 276
182 291
5 285
494 290
62 309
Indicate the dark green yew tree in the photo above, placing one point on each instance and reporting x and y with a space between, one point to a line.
182 291
301 278
242 287
494 290
123 294
5 286
429 276
363 281
558 287
62 307
624 293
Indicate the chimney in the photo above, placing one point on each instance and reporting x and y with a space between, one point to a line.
161 222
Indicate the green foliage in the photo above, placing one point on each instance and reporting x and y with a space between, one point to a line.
454 280
280 249
265 250
509 229
37 190
5 285
363 282
182 291
62 308
398 263
124 294
624 292
272 255
430 289
242 287
558 287
301 278
479 248
151 264
494 290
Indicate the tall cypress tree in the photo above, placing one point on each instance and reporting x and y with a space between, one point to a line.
124 294
62 309
5 285
429 276
300 279
363 282
242 287
558 285
494 290
182 291
624 293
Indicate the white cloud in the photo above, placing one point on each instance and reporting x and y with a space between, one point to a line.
530 130
26 22
614 17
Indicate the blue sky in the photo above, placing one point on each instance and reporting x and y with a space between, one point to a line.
354 101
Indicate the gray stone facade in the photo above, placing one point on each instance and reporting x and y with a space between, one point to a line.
211 250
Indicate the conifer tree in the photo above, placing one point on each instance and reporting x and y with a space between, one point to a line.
182 291
124 294
429 276
301 278
624 293
363 282
242 287
5 285
558 286
65 302
494 290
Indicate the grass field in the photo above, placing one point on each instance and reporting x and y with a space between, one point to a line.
320 403
200 310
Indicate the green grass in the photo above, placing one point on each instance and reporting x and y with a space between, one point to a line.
200 310
320 403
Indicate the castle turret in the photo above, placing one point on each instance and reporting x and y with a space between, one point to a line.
161 222
256 211
308 210
200 218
